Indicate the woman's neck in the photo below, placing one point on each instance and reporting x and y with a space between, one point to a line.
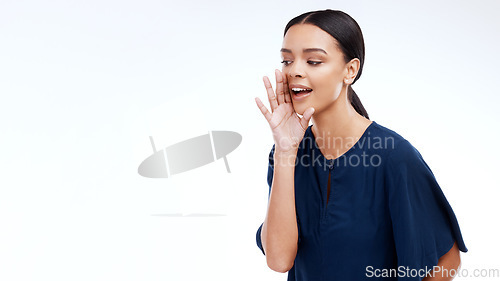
338 127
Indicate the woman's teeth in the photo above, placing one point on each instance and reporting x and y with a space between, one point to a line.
300 90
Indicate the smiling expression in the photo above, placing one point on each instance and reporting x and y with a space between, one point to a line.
312 59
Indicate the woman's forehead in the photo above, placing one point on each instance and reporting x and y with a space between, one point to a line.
304 38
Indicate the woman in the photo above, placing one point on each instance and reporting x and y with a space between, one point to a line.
349 199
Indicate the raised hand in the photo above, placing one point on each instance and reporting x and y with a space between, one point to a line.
287 127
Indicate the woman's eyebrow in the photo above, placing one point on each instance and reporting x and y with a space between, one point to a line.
308 50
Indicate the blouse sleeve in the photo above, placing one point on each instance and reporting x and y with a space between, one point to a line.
424 224
270 172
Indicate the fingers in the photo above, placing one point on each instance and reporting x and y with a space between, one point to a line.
288 98
279 87
304 121
263 109
270 94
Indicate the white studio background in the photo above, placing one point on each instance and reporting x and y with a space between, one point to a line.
84 84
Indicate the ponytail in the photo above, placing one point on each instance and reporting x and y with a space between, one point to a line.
356 102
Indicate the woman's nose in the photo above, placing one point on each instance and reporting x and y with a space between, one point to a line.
295 71
294 74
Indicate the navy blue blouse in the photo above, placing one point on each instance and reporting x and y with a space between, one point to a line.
386 216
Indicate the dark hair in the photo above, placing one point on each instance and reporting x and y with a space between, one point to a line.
348 34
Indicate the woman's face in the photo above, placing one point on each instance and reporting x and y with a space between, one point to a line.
321 68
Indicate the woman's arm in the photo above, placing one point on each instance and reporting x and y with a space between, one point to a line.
448 264
279 233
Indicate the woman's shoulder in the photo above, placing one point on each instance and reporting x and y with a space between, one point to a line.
400 149
379 130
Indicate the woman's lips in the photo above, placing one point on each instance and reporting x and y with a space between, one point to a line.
301 96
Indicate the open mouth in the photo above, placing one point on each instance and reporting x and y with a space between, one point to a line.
299 92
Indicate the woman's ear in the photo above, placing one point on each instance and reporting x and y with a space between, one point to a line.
352 68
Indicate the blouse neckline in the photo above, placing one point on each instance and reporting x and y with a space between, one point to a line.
363 136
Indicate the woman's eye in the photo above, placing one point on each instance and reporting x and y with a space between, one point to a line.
286 62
